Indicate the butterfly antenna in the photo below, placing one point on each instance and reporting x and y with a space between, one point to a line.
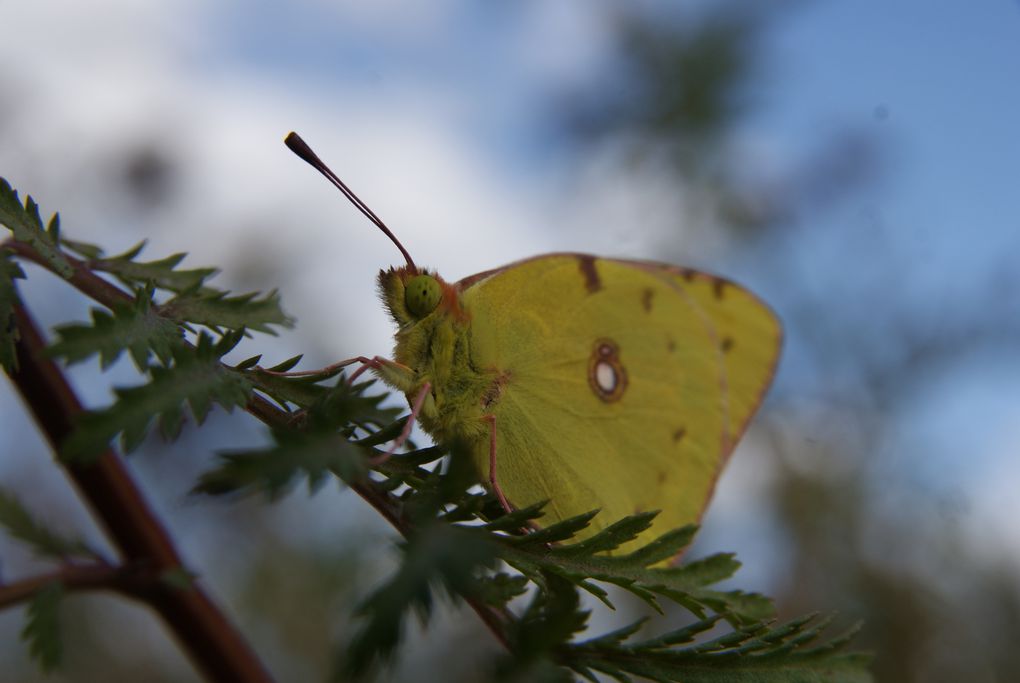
301 148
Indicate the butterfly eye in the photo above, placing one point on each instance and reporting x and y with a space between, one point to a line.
422 294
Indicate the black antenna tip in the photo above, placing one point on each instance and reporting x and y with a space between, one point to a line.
301 148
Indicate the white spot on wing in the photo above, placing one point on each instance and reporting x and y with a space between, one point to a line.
605 377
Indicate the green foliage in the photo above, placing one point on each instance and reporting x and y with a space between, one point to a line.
136 328
25 223
217 310
585 562
460 544
42 628
437 557
459 560
784 653
161 273
45 542
552 618
196 380
315 451
9 272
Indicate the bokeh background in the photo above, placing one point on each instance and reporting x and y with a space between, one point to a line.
856 164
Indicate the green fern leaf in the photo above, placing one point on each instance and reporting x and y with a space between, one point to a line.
438 556
45 542
83 249
499 589
196 380
134 327
42 627
25 223
218 310
315 447
750 655
552 618
9 272
162 274
635 572
273 471
300 391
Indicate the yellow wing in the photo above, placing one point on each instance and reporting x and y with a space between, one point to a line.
623 385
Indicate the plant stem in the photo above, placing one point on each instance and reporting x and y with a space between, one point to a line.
215 647
92 576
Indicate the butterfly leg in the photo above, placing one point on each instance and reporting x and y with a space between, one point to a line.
384 366
419 401
491 419
331 369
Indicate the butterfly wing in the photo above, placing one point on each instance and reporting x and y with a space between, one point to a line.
622 385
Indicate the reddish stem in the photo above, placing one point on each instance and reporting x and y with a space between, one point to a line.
217 649
91 576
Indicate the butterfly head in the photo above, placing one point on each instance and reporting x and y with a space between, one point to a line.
412 295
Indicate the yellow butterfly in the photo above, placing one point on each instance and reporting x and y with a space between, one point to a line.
587 382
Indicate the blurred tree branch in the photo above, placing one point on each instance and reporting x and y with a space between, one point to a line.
92 576
211 641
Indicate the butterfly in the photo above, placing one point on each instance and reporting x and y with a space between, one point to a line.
586 382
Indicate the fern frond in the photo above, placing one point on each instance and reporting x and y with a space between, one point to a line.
313 448
23 220
42 627
195 380
134 327
9 272
218 310
44 541
637 572
436 557
162 274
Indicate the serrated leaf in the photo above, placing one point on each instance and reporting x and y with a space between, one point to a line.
219 310
316 446
666 547
555 533
9 272
551 619
162 274
616 637
274 471
686 585
25 223
134 327
752 655
344 405
437 557
299 391
248 363
195 380
393 430
45 542
518 518
83 249
553 616
613 536
287 364
499 589
53 229
42 627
